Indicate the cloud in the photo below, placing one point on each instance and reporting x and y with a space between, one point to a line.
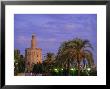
47 39
23 40
73 26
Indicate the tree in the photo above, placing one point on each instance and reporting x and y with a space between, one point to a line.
37 68
76 50
16 60
19 62
48 62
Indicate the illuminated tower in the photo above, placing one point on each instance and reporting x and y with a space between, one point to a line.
33 55
33 42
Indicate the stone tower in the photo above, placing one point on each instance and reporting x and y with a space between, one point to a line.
33 42
33 55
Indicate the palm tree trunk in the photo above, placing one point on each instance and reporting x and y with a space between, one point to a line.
68 66
78 63
78 69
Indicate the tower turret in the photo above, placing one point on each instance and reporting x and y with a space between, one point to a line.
33 42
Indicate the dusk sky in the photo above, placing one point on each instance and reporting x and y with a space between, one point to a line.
53 29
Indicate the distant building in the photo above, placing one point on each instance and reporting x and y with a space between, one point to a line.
16 54
17 51
33 55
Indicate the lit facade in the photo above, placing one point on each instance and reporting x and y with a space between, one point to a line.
33 55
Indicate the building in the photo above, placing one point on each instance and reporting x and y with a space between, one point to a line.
16 52
33 55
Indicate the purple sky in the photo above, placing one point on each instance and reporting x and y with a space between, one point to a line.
52 29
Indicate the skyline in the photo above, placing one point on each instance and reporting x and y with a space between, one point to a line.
52 29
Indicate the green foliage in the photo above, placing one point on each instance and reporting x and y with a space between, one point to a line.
76 51
93 72
48 63
37 68
19 63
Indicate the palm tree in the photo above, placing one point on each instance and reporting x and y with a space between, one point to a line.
75 50
82 52
49 60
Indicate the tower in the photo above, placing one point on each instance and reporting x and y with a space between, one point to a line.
33 42
33 55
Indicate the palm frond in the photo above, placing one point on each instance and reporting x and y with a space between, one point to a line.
89 57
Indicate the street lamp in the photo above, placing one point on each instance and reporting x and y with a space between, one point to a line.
88 69
56 70
71 69
62 69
